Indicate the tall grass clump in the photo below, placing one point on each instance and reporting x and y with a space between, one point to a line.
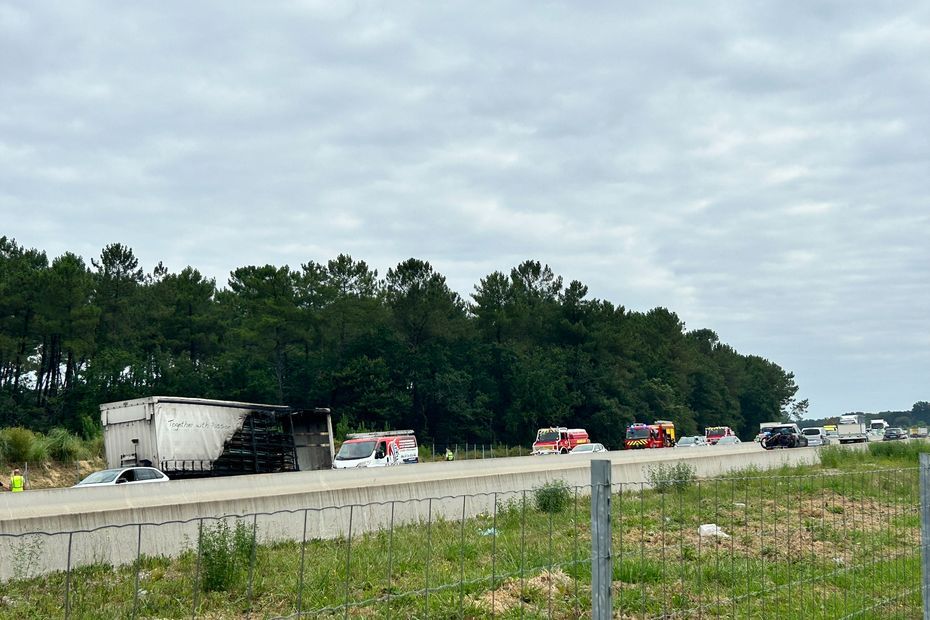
907 451
65 446
225 552
21 445
665 478
553 496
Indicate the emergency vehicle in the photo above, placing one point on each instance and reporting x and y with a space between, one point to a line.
381 449
558 440
714 433
658 435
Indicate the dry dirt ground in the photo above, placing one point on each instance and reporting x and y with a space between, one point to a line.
54 475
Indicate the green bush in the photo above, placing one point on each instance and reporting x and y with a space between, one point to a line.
553 496
225 552
21 445
95 447
64 446
664 478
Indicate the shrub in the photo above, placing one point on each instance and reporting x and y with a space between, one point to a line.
95 447
224 554
664 478
21 445
553 496
63 446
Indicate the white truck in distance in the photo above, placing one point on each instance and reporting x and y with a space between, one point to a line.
851 429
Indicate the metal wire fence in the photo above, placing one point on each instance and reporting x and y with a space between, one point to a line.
748 545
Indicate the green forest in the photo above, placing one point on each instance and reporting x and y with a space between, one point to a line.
398 350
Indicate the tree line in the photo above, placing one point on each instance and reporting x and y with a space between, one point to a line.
398 351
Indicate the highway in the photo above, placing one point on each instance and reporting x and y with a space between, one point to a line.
324 504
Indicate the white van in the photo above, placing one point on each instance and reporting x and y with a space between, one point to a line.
377 450
816 436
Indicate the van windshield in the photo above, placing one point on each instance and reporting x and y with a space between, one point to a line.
637 432
355 450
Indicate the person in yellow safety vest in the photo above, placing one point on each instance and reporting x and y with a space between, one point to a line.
16 482
450 456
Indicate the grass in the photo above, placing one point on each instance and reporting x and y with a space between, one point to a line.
19 446
806 542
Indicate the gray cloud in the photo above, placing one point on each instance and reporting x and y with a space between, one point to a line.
760 169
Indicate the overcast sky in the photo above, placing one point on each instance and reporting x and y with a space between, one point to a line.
760 168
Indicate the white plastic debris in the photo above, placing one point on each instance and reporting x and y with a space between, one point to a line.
711 529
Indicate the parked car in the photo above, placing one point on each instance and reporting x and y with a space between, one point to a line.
588 448
729 440
695 441
816 436
894 433
783 436
122 475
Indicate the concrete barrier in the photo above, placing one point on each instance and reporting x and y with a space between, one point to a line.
49 530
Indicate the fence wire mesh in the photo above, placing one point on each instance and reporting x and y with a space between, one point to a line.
749 545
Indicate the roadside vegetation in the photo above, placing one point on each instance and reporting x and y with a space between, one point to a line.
795 543
54 459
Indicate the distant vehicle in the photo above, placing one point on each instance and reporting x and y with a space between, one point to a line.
588 448
763 429
714 433
695 441
917 431
729 440
381 449
878 425
199 437
559 440
851 429
816 436
122 475
783 436
893 433
660 434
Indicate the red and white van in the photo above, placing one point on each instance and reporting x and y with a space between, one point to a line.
558 440
381 449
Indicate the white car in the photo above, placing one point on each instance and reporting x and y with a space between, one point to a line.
588 448
816 436
729 440
122 475
696 441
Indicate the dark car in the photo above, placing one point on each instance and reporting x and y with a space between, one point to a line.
783 436
893 433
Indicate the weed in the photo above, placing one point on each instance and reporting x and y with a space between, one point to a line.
224 553
553 496
665 478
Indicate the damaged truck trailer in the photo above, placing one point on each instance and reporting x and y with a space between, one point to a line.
197 437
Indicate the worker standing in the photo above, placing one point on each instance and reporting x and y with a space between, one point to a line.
16 481
450 456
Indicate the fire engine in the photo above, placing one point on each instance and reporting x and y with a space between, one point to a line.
714 433
658 435
558 439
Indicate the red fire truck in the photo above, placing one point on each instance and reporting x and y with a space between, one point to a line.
558 440
714 433
658 435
